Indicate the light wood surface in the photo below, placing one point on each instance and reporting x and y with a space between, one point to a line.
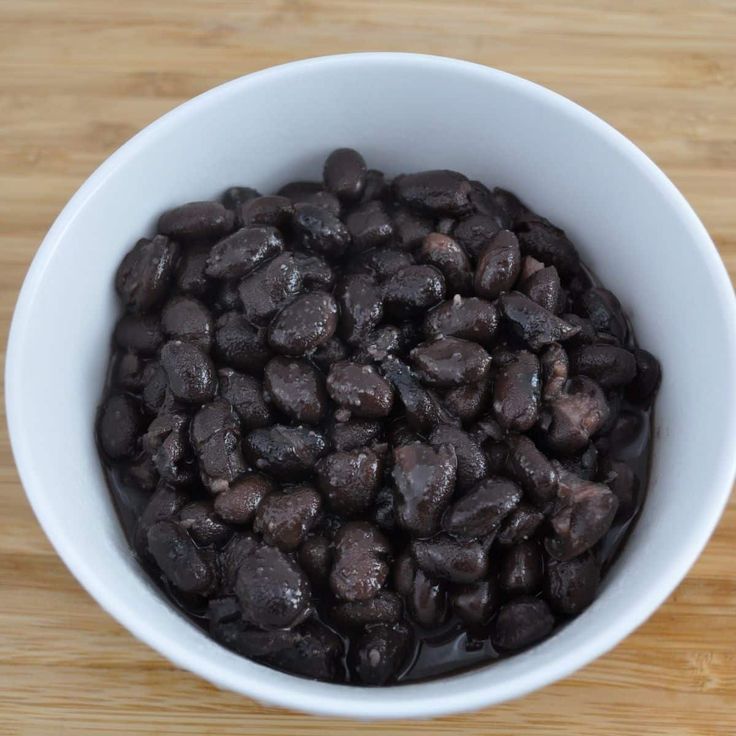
79 77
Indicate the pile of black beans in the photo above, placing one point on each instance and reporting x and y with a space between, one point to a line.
369 431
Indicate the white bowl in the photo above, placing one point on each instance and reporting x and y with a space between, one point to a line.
403 112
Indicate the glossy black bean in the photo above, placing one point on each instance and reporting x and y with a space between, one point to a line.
140 334
269 288
522 569
516 392
349 480
437 192
284 518
482 509
360 568
498 266
467 318
380 653
239 253
344 174
571 586
361 307
360 389
532 323
549 244
444 253
296 388
459 561
449 361
189 371
424 480
305 324
472 466
607 365
287 453
245 394
186 318
196 221
544 288
238 503
119 427
271 210
522 622
412 290
145 273
319 230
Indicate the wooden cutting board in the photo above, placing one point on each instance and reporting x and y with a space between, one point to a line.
79 77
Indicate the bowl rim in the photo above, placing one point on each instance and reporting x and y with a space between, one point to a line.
341 700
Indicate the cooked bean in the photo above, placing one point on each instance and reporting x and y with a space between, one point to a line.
360 389
555 370
235 197
445 254
269 288
360 568
296 388
604 311
571 586
499 264
245 394
284 518
522 569
344 173
607 365
549 244
380 652
305 324
424 598
469 319
196 221
204 525
543 287
516 392
271 210
319 230
534 472
475 603
287 453
369 226
533 324
481 510
412 290
145 273
139 334
185 318
450 559
361 307
384 608
410 228
467 402
471 461
475 232
189 371
315 557
648 377
522 622
349 480
424 480
520 525
238 503
167 443
438 192
119 427
450 361
244 250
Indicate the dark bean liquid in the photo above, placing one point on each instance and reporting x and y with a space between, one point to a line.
373 433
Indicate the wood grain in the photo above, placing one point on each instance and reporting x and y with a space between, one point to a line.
79 77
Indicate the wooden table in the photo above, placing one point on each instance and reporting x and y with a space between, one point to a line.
79 77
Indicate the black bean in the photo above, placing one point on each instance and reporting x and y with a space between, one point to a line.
238 503
437 192
499 264
447 255
382 262
167 443
534 472
522 622
475 603
119 427
512 207
140 334
459 561
424 480
189 371
240 345
522 569
620 478
481 510
648 377
323 199
344 174
239 253
269 288
520 525
318 230
332 351
470 319
296 388
516 392
305 324
549 244
349 480
380 653
287 453
384 608
587 332
607 365
369 226
227 296
156 389
360 389
425 599
555 371
604 311
471 461
315 557
273 591
583 513
383 512
378 344
575 416
143 277
205 527
185 318
235 197
316 272
450 361
571 586
476 231
196 221
544 288
533 324
410 228
360 568
178 558
468 402
216 440
165 503
271 210
129 372
413 290
245 394
284 518
375 185
190 275
232 557
361 307
422 408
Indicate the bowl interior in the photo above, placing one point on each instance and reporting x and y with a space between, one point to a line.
404 113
